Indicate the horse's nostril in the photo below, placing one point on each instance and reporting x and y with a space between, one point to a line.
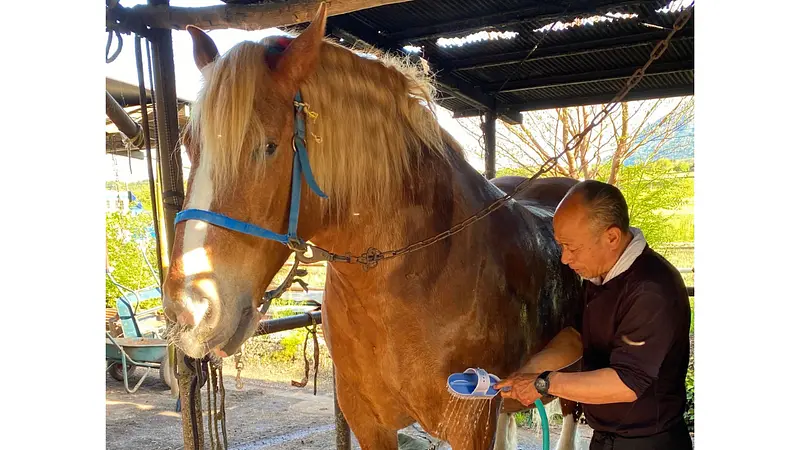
186 318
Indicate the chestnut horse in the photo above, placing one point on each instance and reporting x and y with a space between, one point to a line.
487 297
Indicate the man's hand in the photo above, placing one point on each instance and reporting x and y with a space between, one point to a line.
520 388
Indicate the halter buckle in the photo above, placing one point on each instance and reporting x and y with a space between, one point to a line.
296 245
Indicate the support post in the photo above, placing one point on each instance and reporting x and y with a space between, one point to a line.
342 428
169 160
167 120
490 140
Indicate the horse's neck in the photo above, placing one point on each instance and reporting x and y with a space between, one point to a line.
439 197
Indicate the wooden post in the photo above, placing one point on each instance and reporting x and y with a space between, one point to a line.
490 140
171 171
167 121
342 428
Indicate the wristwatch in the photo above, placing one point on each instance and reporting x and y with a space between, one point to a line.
542 382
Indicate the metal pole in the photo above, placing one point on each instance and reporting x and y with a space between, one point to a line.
288 323
148 153
490 139
123 121
342 428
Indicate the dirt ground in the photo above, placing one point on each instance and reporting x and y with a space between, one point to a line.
268 413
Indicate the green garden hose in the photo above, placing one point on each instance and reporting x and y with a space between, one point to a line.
545 425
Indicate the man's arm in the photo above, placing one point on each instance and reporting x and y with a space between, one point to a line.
562 351
597 387
640 345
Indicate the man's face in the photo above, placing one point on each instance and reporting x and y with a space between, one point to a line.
589 252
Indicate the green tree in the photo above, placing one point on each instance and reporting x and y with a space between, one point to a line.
656 193
127 241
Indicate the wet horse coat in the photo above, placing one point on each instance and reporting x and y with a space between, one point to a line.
490 296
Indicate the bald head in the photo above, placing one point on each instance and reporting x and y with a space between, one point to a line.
592 226
603 204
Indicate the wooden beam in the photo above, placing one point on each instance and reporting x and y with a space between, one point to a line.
243 17
550 103
529 83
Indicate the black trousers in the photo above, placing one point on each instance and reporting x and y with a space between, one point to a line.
676 438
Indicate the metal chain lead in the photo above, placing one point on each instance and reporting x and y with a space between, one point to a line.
372 256
239 366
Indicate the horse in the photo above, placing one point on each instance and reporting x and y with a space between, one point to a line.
385 175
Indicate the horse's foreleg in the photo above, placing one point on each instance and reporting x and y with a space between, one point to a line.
370 434
571 412
506 435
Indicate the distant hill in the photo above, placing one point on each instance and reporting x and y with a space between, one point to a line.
679 147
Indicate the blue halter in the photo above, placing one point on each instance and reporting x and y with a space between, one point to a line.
300 168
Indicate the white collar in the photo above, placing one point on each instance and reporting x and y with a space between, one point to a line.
632 251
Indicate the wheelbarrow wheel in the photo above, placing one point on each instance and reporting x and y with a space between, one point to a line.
116 371
165 372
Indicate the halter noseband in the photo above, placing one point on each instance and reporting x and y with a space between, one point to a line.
301 167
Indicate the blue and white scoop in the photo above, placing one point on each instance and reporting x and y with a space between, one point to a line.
473 383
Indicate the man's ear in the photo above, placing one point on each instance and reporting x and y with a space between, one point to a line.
613 236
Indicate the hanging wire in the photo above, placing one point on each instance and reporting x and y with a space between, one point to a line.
111 33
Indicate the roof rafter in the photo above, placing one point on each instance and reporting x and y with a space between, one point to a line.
567 50
539 11
353 31
587 77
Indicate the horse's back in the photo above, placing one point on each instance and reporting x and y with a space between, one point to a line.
558 285
547 192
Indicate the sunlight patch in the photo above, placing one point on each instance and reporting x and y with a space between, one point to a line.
675 6
480 36
412 49
585 21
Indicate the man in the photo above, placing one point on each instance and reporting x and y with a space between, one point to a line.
633 334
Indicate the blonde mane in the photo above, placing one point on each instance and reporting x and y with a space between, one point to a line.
375 122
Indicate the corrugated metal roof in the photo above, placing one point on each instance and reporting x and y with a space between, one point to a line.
573 64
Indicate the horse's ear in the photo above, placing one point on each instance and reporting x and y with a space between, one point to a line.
300 58
205 51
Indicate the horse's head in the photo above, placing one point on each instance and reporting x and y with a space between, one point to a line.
241 143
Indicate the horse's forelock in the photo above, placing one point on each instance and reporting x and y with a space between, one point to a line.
223 118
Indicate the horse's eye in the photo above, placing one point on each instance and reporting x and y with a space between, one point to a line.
270 148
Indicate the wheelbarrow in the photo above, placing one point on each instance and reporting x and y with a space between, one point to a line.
136 349
128 353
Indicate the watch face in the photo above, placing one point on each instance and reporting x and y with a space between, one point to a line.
539 384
